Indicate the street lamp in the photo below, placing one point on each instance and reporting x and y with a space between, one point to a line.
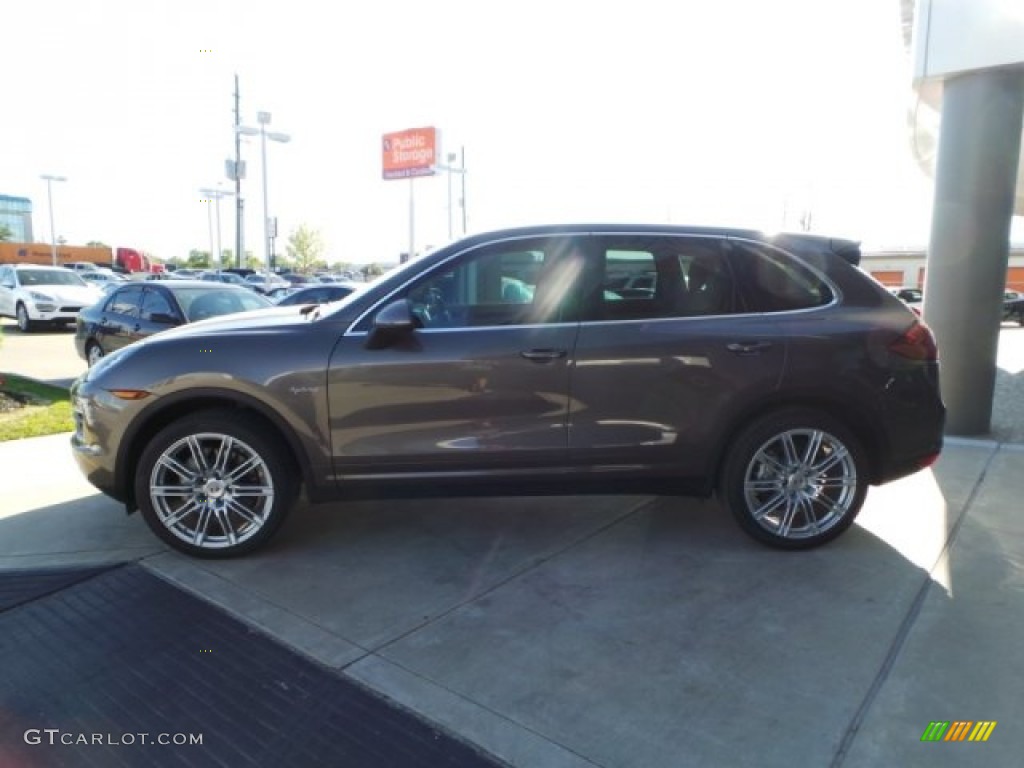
263 118
214 196
49 200
460 169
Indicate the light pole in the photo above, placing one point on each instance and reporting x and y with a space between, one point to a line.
460 169
49 201
263 118
214 196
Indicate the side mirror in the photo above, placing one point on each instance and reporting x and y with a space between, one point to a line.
393 323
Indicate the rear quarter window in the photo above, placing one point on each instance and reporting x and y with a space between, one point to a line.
775 281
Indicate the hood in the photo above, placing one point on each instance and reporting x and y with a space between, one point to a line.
257 320
80 295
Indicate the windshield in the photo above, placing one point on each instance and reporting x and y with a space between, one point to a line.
49 277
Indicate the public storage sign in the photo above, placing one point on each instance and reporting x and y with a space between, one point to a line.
412 152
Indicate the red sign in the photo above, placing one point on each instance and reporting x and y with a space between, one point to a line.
412 152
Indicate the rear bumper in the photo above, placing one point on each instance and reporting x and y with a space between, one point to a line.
915 418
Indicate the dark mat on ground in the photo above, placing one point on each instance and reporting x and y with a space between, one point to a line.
23 586
120 668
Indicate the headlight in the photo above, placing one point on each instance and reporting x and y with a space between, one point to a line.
39 296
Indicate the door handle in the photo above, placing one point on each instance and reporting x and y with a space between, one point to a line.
543 355
748 347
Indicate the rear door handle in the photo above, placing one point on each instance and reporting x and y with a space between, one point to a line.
748 347
543 355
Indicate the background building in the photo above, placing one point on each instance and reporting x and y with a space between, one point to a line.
16 215
906 267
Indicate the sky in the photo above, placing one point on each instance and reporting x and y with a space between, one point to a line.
692 112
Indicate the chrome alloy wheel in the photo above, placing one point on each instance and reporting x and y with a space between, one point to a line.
211 490
800 483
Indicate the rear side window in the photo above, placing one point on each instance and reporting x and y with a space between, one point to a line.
775 281
649 277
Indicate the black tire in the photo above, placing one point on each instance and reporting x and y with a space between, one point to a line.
93 353
794 479
24 324
236 511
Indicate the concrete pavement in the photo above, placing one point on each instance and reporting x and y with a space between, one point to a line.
636 631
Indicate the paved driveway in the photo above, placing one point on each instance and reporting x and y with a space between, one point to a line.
631 631
48 355
634 631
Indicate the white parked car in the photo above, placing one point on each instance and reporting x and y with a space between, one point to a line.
101 276
35 294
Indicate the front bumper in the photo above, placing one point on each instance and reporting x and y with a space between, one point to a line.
52 311
91 446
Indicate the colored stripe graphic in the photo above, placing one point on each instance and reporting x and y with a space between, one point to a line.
982 730
958 730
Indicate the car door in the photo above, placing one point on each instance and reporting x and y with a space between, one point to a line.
118 323
660 371
481 384
6 291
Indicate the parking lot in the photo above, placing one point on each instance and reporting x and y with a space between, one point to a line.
616 631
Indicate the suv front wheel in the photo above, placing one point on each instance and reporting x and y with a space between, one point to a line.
794 479
25 324
213 485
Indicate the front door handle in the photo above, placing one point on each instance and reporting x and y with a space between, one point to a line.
748 347
543 355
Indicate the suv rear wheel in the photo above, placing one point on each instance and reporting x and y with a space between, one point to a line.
794 479
213 485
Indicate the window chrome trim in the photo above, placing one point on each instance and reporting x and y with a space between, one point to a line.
574 323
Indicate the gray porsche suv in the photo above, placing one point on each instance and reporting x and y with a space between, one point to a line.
577 359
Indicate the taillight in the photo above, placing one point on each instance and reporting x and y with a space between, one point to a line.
916 343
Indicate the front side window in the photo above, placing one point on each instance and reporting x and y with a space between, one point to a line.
516 283
155 304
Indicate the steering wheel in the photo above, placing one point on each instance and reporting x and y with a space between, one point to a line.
432 310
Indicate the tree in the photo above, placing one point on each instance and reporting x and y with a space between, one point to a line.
96 244
5 233
198 259
305 247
